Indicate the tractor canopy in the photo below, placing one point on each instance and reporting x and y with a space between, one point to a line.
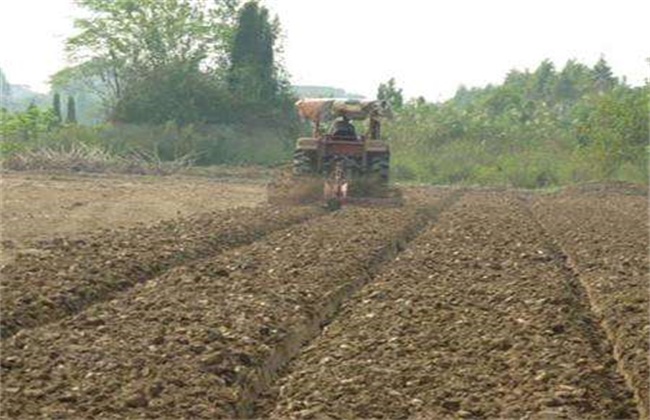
319 110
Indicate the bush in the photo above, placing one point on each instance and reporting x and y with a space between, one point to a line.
82 158
501 136
202 144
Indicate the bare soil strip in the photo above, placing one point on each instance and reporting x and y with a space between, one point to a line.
204 339
606 238
63 276
42 205
479 318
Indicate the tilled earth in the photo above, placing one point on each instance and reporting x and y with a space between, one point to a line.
606 237
492 310
479 318
41 205
62 276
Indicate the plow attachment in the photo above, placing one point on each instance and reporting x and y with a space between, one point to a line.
337 190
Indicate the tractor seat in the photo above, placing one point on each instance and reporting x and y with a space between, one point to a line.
344 133
345 137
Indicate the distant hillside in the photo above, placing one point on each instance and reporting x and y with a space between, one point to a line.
19 97
323 92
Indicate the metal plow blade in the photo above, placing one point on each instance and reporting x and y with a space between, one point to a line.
335 190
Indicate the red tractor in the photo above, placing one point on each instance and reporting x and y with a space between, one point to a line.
351 164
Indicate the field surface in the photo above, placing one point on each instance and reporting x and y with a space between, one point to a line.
190 297
40 206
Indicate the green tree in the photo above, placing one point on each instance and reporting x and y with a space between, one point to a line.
89 93
25 126
5 88
186 61
56 108
177 92
122 41
572 82
614 127
604 79
71 115
94 83
253 73
543 80
389 92
536 129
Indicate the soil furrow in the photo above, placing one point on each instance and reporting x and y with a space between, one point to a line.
202 340
257 387
62 276
478 318
609 254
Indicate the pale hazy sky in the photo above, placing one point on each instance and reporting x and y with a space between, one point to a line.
430 47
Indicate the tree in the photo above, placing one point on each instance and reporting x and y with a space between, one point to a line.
91 98
56 107
71 116
517 79
154 61
603 77
543 80
253 73
122 41
390 93
178 92
5 88
95 78
503 99
572 82
614 125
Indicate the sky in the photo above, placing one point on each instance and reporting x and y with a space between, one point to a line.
429 46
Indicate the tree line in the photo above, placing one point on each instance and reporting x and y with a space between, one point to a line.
538 128
201 72
187 61
204 78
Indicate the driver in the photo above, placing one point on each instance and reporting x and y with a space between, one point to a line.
343 128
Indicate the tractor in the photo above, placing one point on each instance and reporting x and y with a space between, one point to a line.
352 166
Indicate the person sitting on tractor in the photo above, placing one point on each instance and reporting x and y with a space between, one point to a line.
343 128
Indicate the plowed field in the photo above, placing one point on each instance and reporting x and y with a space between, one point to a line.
461 303
39 206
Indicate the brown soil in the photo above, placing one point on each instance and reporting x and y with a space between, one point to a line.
479 318
41 205
200 340
493 310
606 238
62 276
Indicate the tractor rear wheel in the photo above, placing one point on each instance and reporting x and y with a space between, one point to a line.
302 163
380 167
